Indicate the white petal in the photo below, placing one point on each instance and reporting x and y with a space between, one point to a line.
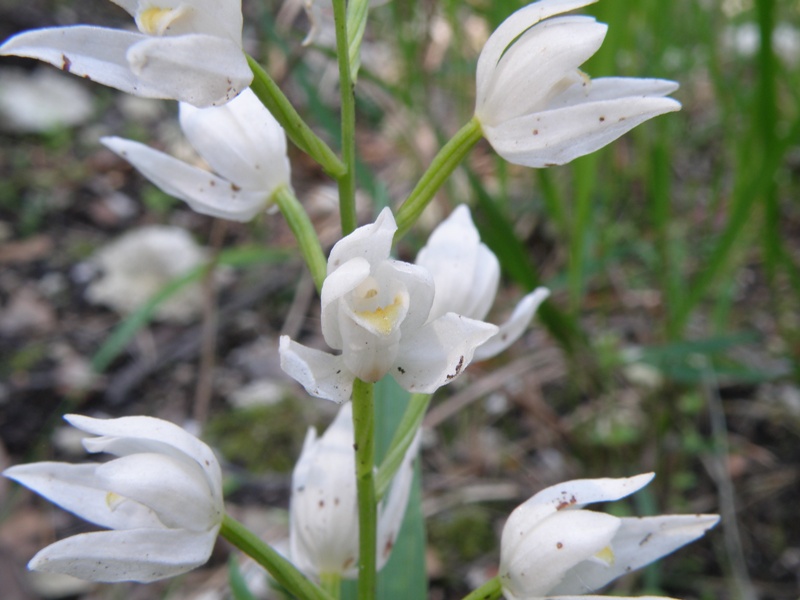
510 29
157 430
204 192
393 509
323 375
139 555
638 542
548 549
558 136
76 488
177 490
612 88
96 53
568 495
535 67
438 352
200 69
241 141
511 330
338 284
466 273
419 286
324 508
371 242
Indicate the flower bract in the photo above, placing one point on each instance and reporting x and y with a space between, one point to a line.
537 108
377 312
552 547
189 51
243 144
161 499
324 508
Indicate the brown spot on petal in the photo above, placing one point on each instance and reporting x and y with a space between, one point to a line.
66 63
602 119
235 187
559 545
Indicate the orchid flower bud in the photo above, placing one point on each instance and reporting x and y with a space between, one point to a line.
161 499
324 506
466 275
552 547
189 51
537 108
241 141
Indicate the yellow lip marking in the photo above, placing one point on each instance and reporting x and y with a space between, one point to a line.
606 555
383 319
114 500
156 20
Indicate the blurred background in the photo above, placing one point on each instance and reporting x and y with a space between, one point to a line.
671 341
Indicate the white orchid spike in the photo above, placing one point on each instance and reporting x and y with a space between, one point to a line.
241 141
551 547
189 51
377 312
537 108
323 526
162 500
466 275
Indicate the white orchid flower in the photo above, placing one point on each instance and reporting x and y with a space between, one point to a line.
323 525
162 500
377 312
188 50
466 275
537 108
241 141
552 547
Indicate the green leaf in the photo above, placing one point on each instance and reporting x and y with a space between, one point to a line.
237 583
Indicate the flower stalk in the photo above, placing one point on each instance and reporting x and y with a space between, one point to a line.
281 569
347 182
443 164
491 590
298 131
303 230
364 425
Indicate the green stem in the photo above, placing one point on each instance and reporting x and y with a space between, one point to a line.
331 583
403 437
364 425
284 572
443 164
298 131
491 590
304 231
347 182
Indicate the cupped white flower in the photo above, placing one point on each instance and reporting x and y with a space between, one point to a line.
241 141
377 313
466 275
323 534
188 50
537 108
552 547
161 499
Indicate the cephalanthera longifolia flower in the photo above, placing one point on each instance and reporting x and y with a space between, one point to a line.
241 141
189 50
551 546
162 499
537 108
324 510
466 275
377 312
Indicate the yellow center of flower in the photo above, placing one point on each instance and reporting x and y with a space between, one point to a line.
383 318
113 500
156 20
606 555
